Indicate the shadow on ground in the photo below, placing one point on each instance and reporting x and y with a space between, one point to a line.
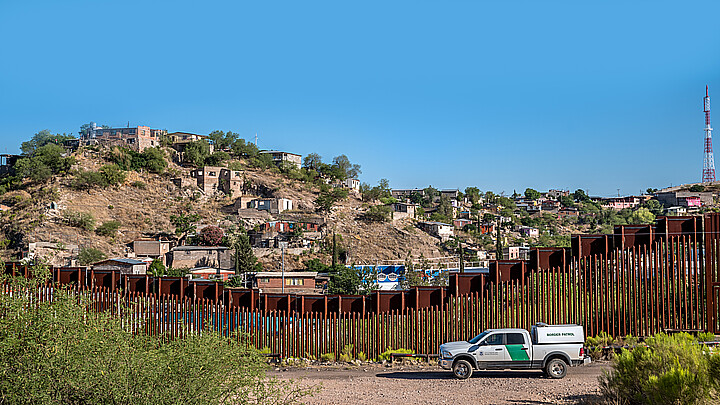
446 375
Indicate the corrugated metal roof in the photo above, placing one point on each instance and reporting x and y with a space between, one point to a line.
125 260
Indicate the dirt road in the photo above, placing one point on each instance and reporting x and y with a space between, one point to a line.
413 384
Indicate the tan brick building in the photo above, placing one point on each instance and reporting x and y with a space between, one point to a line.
307 282
136 138
211 179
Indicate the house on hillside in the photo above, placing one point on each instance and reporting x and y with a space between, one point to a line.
151 248
676 211
211 273
529 231
460 223
279 157
136 138
7 162
272 205
185 137
441 230
213 179
201 256
516 253
403 210
619 203
123 264
684 198
557 193
352 184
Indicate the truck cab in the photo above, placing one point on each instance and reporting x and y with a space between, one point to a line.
552 348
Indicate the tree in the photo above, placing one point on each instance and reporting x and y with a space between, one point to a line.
344 280
498 243
697 188
312 161
566 201
579 195
108 228
196 152
245 260
222 140
642 216
655 207
473 194
41 139
157 268
112 174
378 213
488 217
184 224
346 170
211 235
532 194
90 256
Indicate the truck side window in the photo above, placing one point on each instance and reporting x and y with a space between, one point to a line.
496 339
515 339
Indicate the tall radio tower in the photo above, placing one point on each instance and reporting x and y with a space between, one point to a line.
708 175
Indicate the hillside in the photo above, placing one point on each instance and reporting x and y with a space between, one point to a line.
144 202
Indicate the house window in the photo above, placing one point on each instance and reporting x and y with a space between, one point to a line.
294 281
212 174
263 280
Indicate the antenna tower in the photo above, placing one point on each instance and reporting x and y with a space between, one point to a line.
708 175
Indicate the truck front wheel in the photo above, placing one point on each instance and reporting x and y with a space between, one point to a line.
462 369
556 368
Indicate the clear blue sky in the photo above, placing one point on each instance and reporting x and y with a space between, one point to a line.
499 95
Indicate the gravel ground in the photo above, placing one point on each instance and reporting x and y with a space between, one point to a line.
419 384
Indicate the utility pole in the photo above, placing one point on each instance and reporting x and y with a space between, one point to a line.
498 242
282 250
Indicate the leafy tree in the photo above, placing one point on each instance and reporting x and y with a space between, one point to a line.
655 207
222 140
243 149
245 260
157 268
642 216
532 194
41 139
506 202
473 194
82 220
90 255
217 158
312 161
579 195
697 188
154 160
211 235
184 224
651 190
566 201
86 180
344 280
345 169
43 162
196 152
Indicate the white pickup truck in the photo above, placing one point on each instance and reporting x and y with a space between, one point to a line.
552 348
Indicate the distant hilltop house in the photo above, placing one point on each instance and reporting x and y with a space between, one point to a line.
180 140
352 184
619 203
529 231
279 157
7 162
516 253
212 179
687 199
557 193
136 138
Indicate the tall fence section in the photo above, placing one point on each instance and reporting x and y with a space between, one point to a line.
640 280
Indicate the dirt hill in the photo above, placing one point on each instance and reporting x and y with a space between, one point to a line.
144 202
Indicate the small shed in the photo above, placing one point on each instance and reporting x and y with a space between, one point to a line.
123 264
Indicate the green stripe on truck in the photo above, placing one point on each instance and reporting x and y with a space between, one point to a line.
517 352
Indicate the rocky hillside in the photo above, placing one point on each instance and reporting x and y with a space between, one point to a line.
144 202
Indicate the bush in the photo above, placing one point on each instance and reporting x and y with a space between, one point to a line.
113 175
386 354
59 355
90 255
671 369
346 354
81 220
108 228
86 180
211 235
139 184
378 213
362 356
327 357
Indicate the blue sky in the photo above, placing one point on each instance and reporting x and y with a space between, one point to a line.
498 95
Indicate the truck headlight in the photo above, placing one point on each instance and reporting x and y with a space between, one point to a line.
445 354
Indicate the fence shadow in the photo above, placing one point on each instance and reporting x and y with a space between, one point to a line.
447 375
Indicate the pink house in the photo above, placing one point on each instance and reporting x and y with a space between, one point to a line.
690 201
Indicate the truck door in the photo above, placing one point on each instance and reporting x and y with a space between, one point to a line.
518 349
491 351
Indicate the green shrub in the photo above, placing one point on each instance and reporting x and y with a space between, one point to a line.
90 256
113 175
346 354
671 369
386 354
362 356
56 354
327 357
705 337
86 180
139 184
82 220
108 228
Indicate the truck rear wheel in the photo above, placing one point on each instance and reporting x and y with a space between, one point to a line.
556 369
462 369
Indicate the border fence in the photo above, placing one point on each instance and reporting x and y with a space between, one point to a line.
640 280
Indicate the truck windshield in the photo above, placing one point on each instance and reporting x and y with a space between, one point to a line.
477 338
